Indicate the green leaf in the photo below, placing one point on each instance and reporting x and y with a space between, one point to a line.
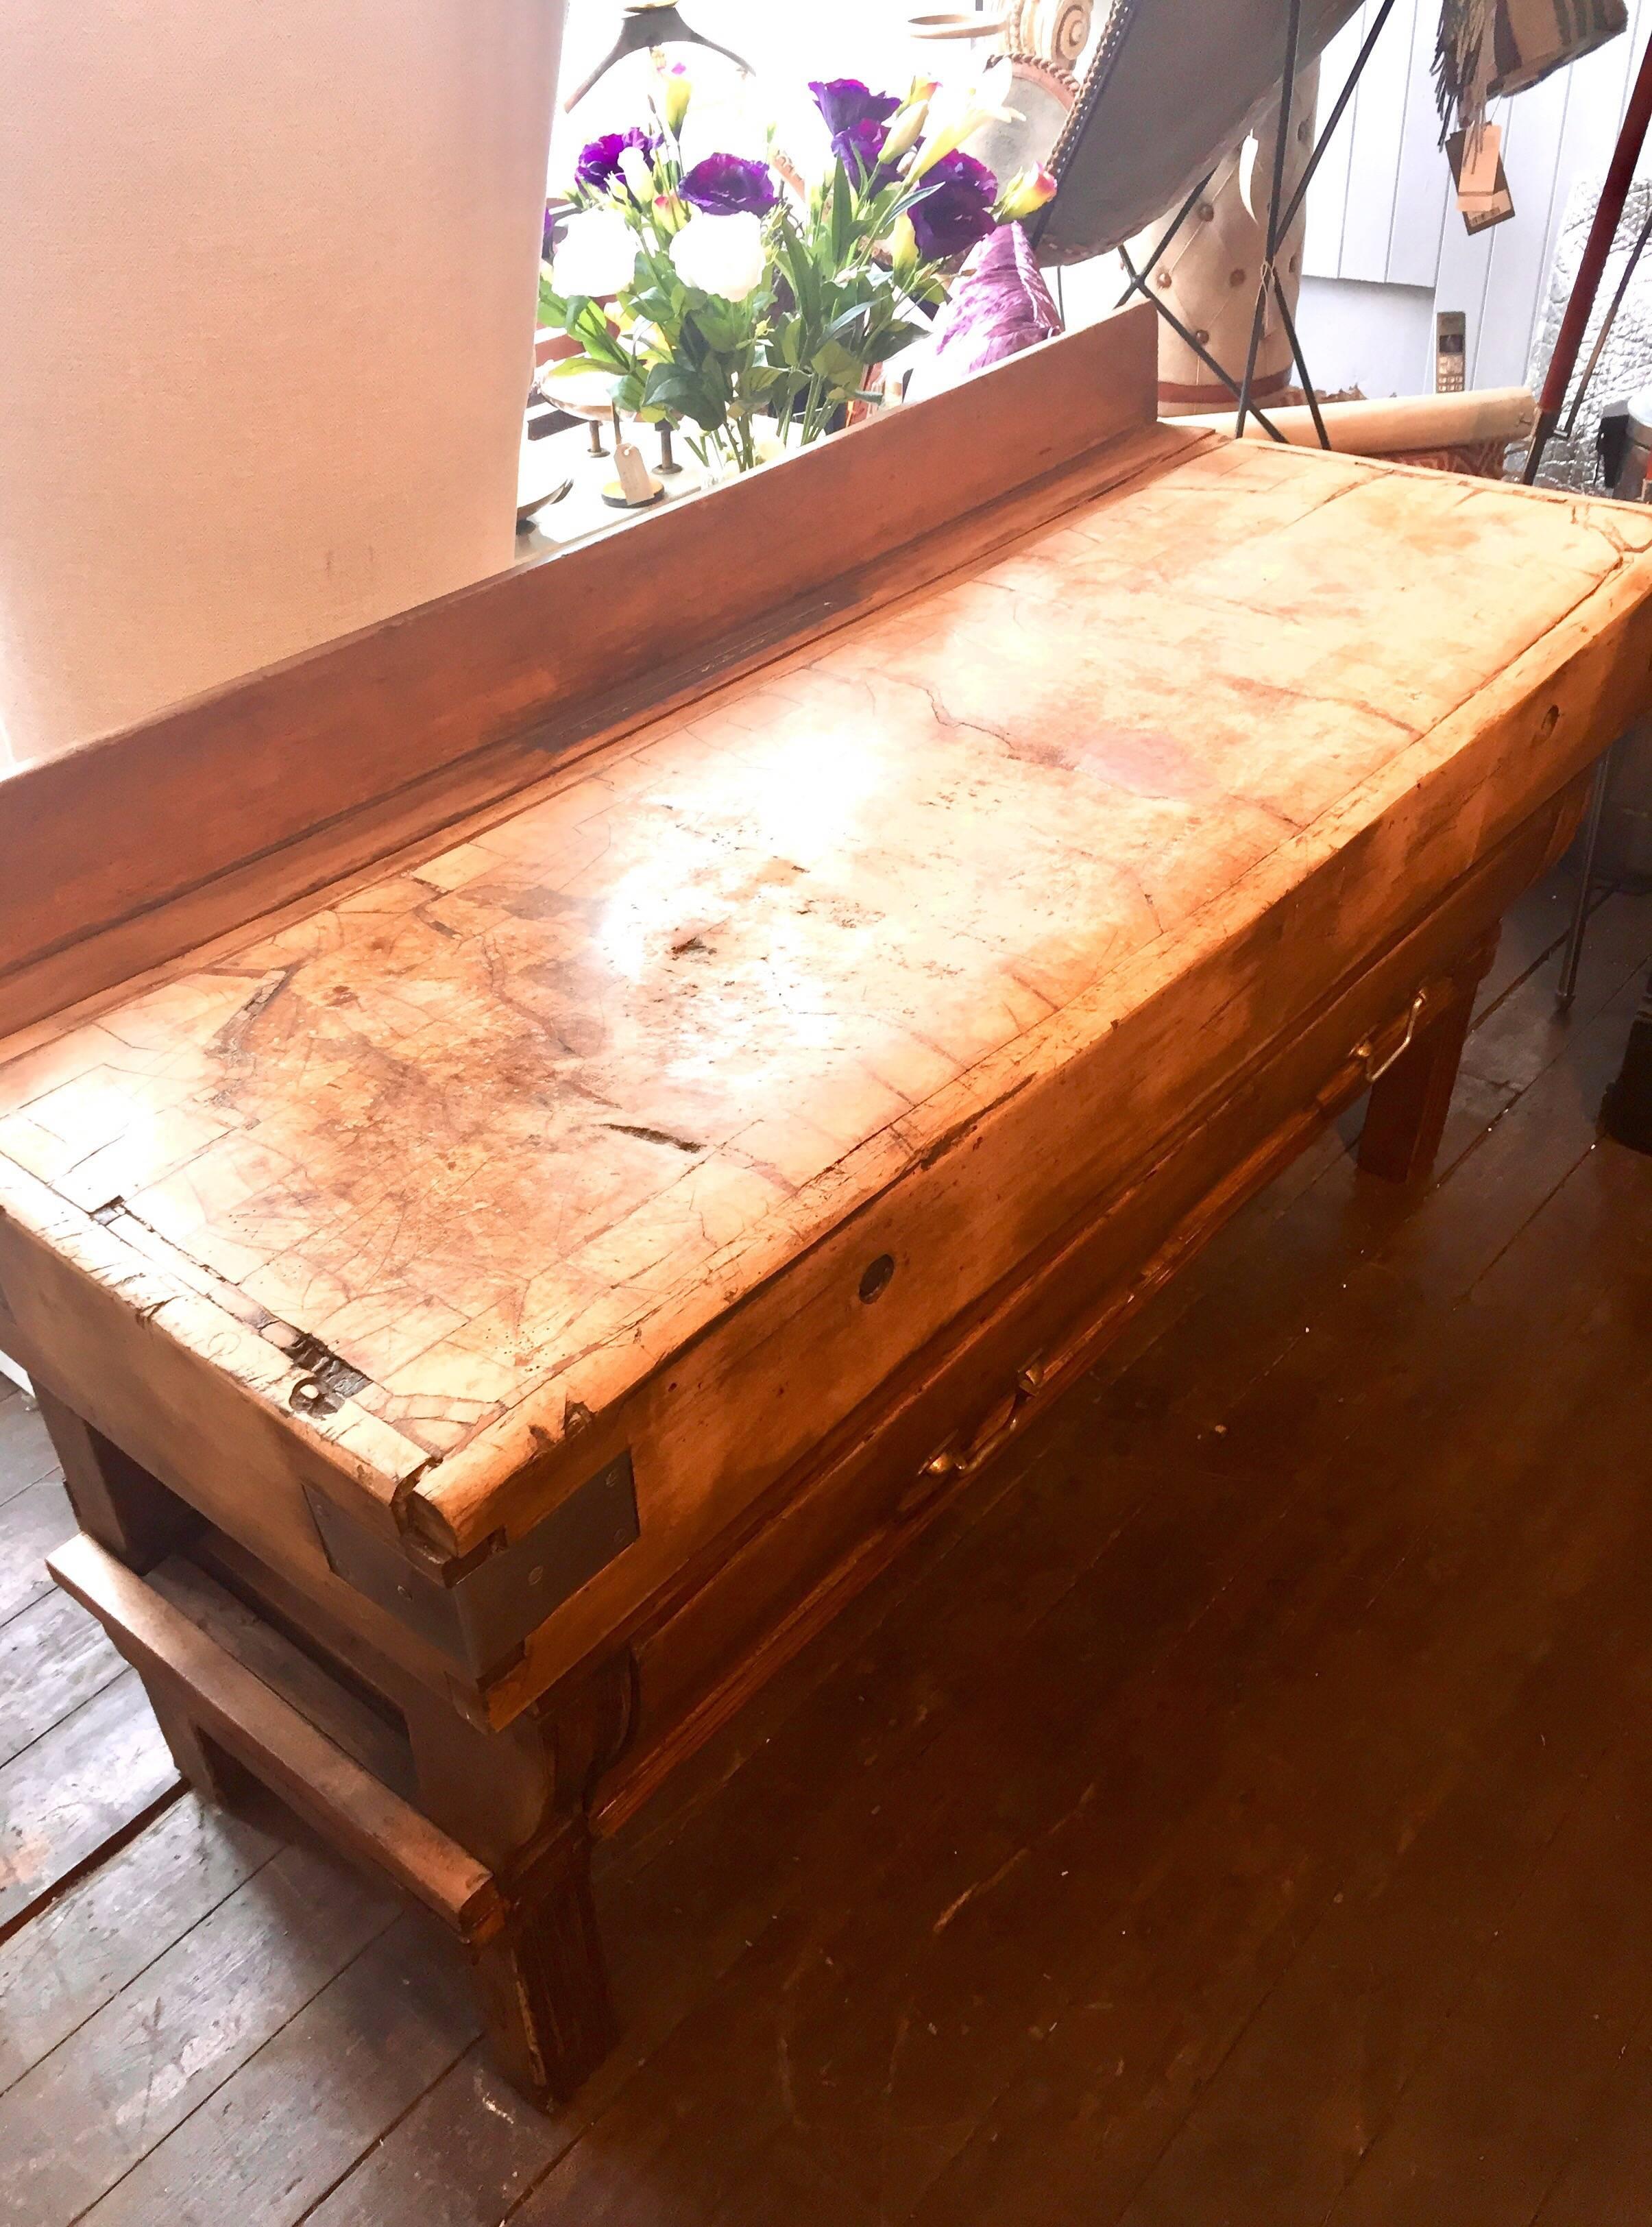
896 338
671 388
589 325
845 322
833 362
720 323
842 216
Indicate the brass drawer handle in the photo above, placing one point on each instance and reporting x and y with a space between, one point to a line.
1365 1051
999 1428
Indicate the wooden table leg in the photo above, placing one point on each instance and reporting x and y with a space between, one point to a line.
125 1508
1406 1114
543 1983
117 1501
516 1798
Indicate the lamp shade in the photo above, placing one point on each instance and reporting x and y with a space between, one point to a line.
1173 86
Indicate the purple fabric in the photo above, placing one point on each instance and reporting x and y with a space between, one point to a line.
999 307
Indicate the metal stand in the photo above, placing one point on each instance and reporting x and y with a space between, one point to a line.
1269 282
1637 120
646 24
1571 958
1280 220
1606 324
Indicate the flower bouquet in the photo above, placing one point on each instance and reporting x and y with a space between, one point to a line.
716 293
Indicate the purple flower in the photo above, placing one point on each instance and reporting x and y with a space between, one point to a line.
860 149
728 185
843 102
599 166
956 210
553 216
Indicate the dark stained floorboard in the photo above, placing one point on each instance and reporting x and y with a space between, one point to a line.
1609 2171
1567 1981
1235 1813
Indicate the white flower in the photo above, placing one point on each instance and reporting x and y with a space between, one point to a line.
722 254
954 118
638 173
598 254
908 127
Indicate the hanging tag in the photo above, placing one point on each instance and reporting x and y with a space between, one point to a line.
636 487
1482 192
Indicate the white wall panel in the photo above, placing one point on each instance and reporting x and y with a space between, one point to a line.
1517 266
1380 338
1423 180
1381 208
1328 197
1379 121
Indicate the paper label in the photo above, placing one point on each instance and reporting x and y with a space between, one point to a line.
1482 192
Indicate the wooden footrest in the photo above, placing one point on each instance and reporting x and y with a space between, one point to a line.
280 1748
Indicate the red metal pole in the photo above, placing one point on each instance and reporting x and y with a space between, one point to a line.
1602 232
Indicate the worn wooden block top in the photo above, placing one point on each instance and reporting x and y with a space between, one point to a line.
504 1125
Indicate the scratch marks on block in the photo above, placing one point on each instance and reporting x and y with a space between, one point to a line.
654 1136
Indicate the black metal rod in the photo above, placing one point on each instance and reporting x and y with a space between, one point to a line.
1276 198
1138 286
1243 390
1314 411
1566 989
1603 231
1335 117
1607 322
1174 226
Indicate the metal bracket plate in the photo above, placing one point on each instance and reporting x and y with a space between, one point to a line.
482 1617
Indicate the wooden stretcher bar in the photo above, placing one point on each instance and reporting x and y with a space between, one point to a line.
235 1709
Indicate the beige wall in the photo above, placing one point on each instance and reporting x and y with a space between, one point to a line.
267 287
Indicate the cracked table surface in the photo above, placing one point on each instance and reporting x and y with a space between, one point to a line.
496 1107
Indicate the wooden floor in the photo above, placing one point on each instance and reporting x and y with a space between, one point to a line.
1240 1814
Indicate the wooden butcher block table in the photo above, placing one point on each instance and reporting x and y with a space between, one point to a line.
495 1307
